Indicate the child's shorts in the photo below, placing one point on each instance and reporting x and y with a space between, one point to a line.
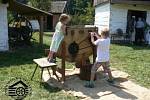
105 65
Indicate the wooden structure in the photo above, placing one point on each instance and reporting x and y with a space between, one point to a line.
77 43
115 14
76 47
22 9
29 11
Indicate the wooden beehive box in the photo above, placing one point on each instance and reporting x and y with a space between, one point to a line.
78 44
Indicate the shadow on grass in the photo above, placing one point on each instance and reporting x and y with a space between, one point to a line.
50 89
22 55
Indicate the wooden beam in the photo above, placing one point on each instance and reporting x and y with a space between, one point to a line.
24 9
41 29
63 61
140 2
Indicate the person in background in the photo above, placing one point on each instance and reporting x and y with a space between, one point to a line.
58 36
139 27
131 29
102 59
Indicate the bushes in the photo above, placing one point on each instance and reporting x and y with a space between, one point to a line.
82 12
4 1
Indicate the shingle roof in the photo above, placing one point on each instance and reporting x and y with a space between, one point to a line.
96 2
58 6
24 9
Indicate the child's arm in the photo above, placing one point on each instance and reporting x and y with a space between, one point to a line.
97 36
92 38
63 27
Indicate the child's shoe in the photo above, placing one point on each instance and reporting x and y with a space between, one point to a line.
51 60
89 84
111 81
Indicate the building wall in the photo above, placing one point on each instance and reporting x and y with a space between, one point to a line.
118 18
3 28
102 16
148 17
118 15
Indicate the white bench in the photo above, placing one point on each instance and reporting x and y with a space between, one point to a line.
43 63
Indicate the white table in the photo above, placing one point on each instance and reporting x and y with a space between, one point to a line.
43 63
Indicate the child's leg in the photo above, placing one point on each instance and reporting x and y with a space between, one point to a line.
93 72
106 68
50 55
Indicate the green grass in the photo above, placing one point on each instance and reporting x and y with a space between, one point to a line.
135 60
18 63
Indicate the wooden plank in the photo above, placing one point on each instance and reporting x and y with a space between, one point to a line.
24 9
63 60
95 48
144 2
41 30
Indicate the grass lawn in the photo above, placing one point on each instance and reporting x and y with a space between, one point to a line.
18 63
134 60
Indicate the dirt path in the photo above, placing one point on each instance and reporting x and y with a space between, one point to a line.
123 89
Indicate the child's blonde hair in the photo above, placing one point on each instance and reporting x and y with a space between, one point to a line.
64 17
105 33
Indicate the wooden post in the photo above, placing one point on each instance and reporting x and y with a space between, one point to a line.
41 29
94 48
63 60
94 54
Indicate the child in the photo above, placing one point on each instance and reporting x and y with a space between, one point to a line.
102 58
58 36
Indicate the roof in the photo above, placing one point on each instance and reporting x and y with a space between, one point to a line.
58 6
24 9
97 2
140 2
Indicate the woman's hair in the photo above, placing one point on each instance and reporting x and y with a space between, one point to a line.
105 33
64 17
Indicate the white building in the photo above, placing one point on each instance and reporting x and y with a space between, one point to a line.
3 28
115 14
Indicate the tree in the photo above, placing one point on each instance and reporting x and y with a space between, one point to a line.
78 6
4 1
82 12
40 4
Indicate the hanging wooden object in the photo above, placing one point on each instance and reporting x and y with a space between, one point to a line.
78 42
77 47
